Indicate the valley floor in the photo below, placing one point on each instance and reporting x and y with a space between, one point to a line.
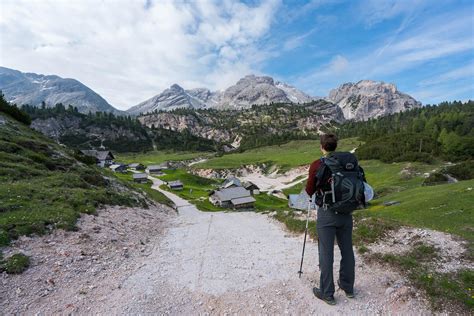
135 261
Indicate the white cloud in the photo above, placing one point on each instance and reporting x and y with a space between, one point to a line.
372 12
128 51
464 72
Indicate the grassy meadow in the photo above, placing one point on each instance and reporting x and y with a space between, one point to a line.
145 188
286 156
157 157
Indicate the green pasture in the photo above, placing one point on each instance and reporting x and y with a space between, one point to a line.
286 156
157 157
146 189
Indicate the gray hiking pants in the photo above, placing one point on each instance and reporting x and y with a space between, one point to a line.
330 226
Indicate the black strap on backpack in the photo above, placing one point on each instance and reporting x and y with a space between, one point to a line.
340 183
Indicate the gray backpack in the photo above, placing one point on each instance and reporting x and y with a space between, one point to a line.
341 183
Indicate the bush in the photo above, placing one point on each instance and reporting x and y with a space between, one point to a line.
16 264
400 147
462 171
415 156
88 160
435 178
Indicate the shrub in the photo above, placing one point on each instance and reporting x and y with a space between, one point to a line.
435 178
88 160
415 156
462 171
16 264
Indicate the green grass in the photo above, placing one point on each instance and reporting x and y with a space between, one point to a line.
286 156
196 189
15 264
265 202
145 188
386 178
157 157
448 208
43 187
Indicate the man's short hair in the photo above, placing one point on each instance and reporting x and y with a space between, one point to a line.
329 142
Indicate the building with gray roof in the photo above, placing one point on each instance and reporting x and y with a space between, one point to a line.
236 197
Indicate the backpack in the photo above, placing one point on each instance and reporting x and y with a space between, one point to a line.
340 180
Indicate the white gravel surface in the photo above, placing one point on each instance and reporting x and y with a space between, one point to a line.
215 263
450 249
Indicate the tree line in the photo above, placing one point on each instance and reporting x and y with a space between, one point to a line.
443 131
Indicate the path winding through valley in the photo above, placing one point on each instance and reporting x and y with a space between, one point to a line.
241 263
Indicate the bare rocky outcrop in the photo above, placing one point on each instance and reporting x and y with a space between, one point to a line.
370 99
197 126
174 97
260 90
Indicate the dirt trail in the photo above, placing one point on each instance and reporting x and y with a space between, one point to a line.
219 263
243 263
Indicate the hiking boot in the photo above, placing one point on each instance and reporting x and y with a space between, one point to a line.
348 294
328 300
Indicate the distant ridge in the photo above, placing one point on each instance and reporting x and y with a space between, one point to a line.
30 88
246 92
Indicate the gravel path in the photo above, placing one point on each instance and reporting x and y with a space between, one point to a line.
245 263
215 263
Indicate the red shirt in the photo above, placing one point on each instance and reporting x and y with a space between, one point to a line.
311 183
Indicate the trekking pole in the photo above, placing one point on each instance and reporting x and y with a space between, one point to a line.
300 272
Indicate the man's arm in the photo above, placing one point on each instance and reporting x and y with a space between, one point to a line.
311 182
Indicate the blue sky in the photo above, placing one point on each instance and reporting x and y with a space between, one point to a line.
425 47
128 51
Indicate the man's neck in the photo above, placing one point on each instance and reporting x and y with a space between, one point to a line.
326 153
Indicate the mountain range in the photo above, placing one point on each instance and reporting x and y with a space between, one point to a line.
358 101
33 89
246 92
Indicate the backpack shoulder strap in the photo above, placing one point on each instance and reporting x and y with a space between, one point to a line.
323 174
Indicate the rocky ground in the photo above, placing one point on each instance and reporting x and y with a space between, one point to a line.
451 250
76 271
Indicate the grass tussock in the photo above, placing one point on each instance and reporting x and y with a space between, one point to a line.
15 264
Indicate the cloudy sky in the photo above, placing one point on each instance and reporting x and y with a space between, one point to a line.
128 51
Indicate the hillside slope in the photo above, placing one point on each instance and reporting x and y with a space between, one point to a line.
42 186
253 127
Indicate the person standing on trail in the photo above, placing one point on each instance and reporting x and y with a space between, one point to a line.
336 181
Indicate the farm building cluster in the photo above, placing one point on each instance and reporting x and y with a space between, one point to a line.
232 193
106 159
235 194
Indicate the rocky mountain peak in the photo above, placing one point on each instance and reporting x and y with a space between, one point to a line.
176 87
248 91
253 79
370 99
33 89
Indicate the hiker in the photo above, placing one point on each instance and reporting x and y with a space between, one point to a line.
334 218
